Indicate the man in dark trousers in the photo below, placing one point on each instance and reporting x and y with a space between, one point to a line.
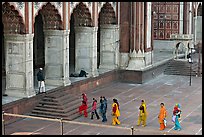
41 81
103 108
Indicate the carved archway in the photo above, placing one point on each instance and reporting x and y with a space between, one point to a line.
199 10
107 15
51 17
180 47
108 33
82 16
12 21
48 18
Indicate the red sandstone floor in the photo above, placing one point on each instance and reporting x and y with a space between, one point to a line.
169 89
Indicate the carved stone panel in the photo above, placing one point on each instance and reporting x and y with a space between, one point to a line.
16 81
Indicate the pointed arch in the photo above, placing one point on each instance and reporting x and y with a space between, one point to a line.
199 11
82 16
12 20
51 17
107 14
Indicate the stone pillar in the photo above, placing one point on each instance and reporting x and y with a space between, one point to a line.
86 50
148 33
109 50
185 16
125 32
57 57
137 57
198 34
19 65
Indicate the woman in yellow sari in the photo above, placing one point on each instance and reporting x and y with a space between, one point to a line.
142 114
115 113
162 116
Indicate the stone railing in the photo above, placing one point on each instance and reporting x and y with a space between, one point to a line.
181 37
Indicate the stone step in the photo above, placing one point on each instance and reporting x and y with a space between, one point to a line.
48 103
69 101
175 67
48 116
67 97
49 106
49 113
60 104
53 113
47 99
62 94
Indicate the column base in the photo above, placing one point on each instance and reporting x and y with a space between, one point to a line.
137 61
136 64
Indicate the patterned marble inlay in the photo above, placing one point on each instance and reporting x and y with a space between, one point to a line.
36 5
59 4
20 5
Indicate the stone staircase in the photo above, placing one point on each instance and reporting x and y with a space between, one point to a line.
181 67
60 104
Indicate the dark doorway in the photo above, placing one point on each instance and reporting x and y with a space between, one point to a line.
98 44
39 44
38 47
3 52
3 61
72 46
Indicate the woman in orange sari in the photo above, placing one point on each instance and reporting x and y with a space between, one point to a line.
162 116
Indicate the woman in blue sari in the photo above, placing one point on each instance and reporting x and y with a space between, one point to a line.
177 123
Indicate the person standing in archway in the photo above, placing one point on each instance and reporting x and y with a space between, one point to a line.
41 81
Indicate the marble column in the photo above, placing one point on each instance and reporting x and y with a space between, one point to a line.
109 50
19 65
86 50
57 57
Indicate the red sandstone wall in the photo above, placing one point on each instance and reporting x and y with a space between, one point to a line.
124 27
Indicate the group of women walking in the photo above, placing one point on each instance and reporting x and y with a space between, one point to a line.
142 115
103 109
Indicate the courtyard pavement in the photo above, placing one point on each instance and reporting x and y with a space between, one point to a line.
169 89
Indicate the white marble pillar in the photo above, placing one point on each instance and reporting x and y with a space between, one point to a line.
19 65
150 54
137 58
109 47
57 57
198 36
86 50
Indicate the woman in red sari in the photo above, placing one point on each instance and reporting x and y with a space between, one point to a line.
84 105
162 116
